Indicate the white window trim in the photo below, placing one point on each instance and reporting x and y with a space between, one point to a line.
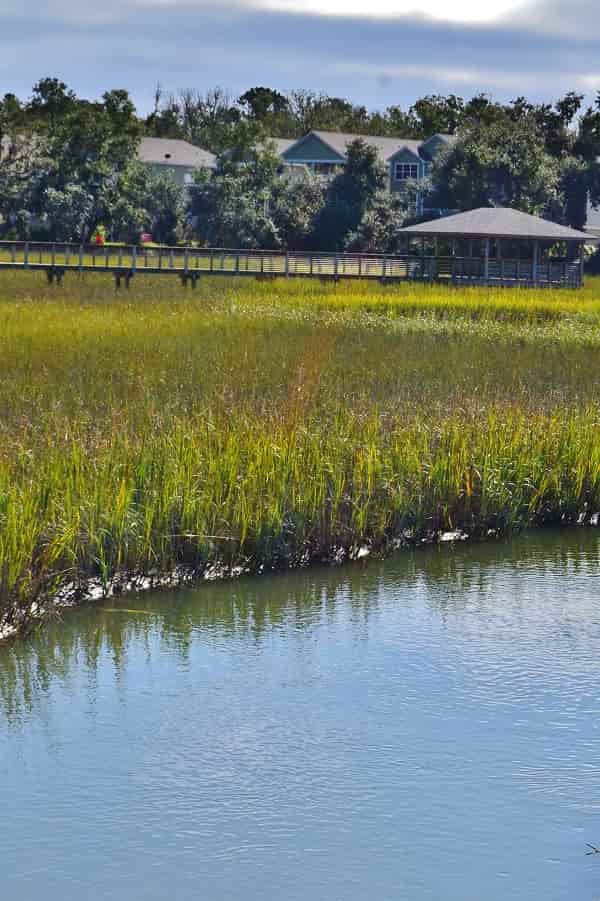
399 166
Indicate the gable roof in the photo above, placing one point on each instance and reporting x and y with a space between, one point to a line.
386 147
496 222
174 152
281 144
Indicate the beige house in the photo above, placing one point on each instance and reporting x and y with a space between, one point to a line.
175 157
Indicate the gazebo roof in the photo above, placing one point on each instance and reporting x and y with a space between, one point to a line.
496 222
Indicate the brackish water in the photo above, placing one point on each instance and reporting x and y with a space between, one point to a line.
422 728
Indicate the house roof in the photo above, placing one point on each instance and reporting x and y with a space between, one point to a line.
174 152
281 144
496 222
386 147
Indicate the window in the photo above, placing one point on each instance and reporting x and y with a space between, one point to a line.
404 171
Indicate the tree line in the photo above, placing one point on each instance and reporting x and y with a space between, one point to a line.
69 166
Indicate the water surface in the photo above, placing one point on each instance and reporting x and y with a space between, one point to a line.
422 728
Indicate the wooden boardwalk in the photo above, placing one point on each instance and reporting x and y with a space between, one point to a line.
189 264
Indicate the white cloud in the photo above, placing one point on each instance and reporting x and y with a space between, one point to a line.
371 52
464 11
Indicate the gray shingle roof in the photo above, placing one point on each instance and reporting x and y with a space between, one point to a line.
386 147
281 144
173 152
496 222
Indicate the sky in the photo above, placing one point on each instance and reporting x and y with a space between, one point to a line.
374 52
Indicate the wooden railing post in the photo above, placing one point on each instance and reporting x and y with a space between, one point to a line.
186 260
287 264
134 258
26 256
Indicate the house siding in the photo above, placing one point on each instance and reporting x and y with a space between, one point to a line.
404 156
177 173
312 150
431 147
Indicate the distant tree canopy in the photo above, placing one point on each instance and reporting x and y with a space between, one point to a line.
538 158
259 204
69 164
498 164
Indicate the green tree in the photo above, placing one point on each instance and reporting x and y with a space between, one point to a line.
498 164
69 212
295 206
260 102
350 194
85 152
379 228
230 206
437 114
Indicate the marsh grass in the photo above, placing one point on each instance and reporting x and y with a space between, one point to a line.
248 425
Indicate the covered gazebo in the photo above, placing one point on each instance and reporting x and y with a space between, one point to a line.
496 246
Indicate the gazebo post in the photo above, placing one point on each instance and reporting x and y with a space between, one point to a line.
536 259
500 260
486 262
581 263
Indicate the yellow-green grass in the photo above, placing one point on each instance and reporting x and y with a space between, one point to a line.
259 424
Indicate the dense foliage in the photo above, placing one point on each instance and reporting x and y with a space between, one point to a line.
259 204
69 165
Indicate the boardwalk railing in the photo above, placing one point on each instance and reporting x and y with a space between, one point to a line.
191 263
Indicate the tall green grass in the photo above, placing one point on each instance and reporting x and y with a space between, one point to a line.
261 424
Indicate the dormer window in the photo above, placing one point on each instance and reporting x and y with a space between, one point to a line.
404 171
167 156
